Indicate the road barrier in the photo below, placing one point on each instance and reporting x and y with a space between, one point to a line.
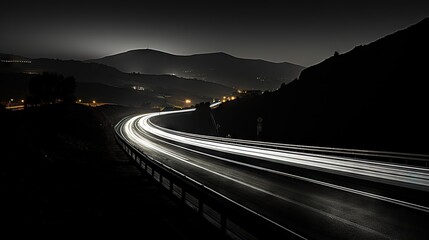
230 217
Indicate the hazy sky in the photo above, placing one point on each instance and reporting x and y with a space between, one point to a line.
301 32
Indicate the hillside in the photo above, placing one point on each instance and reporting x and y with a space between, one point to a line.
61 166
374 96
114 84
83 72
214 67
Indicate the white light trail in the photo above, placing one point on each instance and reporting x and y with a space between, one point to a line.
137 128
141 133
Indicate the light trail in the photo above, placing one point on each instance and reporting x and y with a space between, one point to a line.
408 176
198 154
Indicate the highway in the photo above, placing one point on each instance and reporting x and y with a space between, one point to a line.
313 195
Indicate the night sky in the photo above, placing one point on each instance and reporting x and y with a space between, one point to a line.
300 32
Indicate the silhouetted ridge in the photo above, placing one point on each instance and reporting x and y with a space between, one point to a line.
147 51
374 96
5 56
216 67
114 86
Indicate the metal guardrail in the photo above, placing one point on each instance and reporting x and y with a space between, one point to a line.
232 218
229 216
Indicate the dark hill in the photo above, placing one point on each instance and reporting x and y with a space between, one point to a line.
214 67
374 96
61 166
176 89
84 72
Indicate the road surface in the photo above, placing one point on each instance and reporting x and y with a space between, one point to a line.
316 196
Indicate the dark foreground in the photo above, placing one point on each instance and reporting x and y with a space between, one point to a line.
60 165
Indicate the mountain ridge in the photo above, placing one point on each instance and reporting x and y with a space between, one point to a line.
155 87
218 67
372 97
151 50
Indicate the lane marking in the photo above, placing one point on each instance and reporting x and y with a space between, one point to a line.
359 168
180 157
351 190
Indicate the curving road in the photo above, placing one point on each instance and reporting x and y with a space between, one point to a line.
316 196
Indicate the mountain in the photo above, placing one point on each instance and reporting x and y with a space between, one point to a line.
157 89
372 97
214 67
15 86
83 72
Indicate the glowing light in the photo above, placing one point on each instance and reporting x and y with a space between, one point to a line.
79 101
15 61
94 102
137 127
11 99
188 101
22 101
232 98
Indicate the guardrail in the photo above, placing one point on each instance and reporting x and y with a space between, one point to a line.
232 218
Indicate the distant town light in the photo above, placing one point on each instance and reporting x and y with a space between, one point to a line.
11 99
94 102
14 61
22 100
137 87
188 101
79 101
232 98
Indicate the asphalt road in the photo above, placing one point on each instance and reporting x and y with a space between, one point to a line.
313 195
